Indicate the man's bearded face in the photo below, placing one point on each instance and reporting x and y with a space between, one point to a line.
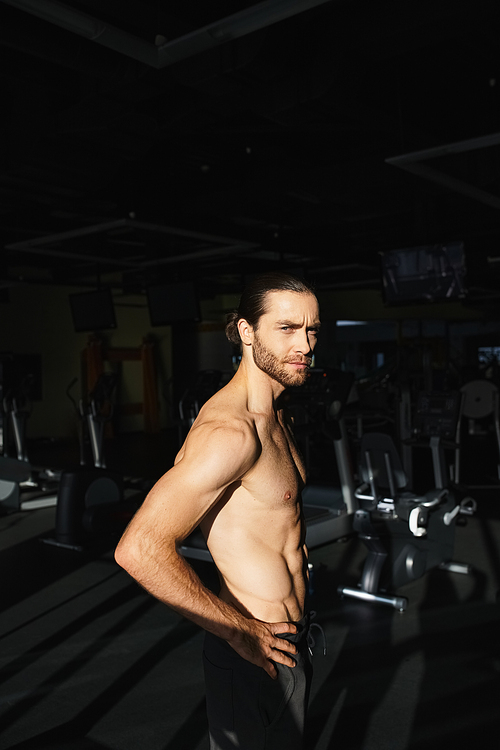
276 368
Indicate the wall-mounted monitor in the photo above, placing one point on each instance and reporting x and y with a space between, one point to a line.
92 311
172 303
429 273
488 354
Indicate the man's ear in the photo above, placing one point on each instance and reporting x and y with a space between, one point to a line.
246 332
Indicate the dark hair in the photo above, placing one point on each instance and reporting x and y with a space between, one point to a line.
253 302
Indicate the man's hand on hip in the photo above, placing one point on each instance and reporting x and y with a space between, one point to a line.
258 643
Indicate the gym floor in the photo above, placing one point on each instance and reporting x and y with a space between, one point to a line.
89 660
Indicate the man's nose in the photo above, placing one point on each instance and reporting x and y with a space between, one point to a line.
302 343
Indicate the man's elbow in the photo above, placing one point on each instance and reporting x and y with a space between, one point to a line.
139 553
127 555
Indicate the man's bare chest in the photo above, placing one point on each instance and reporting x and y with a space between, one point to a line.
279 473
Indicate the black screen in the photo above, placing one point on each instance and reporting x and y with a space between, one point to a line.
92 311
430 273
172 303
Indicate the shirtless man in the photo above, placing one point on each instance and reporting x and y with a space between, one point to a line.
239 476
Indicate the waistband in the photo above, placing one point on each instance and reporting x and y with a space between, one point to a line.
302 626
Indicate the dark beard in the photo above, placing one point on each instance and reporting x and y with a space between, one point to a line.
275 368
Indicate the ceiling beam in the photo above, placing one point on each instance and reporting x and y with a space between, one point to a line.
208 37
411 162
220 245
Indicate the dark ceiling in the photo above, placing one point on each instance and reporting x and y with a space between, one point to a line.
172 139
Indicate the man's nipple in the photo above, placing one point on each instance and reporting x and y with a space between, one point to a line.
288 495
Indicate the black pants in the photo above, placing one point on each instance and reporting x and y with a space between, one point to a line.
249 710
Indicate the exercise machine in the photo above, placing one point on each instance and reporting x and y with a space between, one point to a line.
479 409
12 474
91 503
406 534
93 415
434 427
22 487
17 409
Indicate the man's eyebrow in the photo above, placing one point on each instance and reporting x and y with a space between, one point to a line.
314 326
287 323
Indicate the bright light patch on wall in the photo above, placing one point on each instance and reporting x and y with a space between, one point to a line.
351 322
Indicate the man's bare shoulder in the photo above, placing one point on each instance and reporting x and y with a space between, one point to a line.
224 429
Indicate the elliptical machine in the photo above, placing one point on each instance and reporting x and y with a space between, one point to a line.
90 503
17 406
93 415
22 487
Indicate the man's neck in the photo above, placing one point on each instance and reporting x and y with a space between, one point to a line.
262 391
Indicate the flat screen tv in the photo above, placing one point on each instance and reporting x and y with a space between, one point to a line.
92 311
488 354
172 303
429 273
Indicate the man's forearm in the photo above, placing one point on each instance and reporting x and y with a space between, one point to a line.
175 583
171 580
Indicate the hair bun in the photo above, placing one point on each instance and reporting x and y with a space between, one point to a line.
232 332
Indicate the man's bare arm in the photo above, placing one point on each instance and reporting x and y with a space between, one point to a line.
213 459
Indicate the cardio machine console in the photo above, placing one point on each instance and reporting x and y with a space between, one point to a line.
437 414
